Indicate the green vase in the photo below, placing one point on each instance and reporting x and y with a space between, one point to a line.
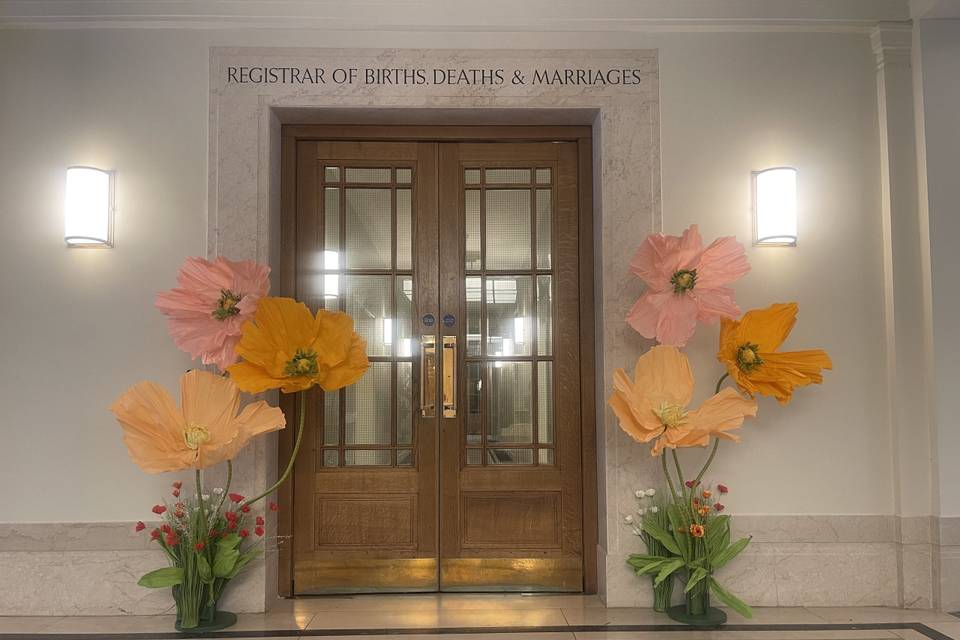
196 617
696 610
662 595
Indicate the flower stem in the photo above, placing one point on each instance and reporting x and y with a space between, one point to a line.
676 461
716 441
199 481
226 489
666 474
720 382
302 395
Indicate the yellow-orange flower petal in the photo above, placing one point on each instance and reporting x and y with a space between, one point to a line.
748 348
204 431
286 347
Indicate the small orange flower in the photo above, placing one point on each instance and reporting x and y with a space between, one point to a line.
697 530
707 494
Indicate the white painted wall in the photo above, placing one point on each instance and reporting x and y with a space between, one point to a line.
78 326
940 65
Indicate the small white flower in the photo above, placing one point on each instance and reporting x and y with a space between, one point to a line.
628 519
654 509
642 511
651 492
205 497
640 493
218 491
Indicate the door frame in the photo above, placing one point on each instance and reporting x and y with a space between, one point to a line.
291 134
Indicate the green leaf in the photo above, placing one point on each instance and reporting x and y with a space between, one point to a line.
651 568
229 542
731 600
638 561
698 574
667 570
662 536
682 540
166 577
203 568
719 526
224 562
243 561
731 552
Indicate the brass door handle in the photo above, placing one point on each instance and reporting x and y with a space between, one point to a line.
428 376
449 376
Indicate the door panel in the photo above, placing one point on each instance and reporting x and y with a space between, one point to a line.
510 459
366 495
455 463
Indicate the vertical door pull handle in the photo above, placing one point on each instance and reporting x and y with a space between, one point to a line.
428 376
449 376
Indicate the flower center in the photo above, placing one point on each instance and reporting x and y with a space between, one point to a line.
671 415
684 280
227 305
748 357
304 363
195 435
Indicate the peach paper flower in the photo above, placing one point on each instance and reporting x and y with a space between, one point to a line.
208 308
685 283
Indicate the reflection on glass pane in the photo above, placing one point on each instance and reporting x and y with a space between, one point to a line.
361 174
368 407
366 457
510 402
404 176
473 290
508 176
544 315
405 458
331 214
331 458
369 226
472 212
368 303
331 417
545 402
543 228
509 456
331 174
474 402
546 456
404 403
473 456
508 229
471 176
404 229
509 311
543 176
404 323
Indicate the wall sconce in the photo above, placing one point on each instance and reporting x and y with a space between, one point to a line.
88 208
775 207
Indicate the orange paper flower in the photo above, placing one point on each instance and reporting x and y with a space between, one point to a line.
653 406
286 347
205 430
748 348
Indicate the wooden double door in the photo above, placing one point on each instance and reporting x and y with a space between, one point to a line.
455 463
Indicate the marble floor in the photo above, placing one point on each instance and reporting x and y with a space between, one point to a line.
502 617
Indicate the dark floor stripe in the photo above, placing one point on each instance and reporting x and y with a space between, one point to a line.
933 634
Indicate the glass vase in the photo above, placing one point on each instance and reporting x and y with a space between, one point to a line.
698 599
662 595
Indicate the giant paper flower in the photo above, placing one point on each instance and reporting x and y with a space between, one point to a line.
653 406
286 347
208 308
205 430
685 283
748 347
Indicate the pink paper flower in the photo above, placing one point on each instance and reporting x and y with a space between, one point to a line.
210 304
685 283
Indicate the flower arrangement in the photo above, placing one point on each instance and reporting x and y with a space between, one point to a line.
686 534
220 312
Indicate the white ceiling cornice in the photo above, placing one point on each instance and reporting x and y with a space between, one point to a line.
457 15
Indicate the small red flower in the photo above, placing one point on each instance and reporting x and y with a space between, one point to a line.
243 533
719 507
230 516
171 539
236 497
260 521
140 527
158 509
722 488
199 546
245 508
177 485
155 534
165 528
274 506
232 525
213 533
176 493
258 531
691 483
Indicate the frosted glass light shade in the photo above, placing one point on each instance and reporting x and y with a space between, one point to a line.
775 207
88 213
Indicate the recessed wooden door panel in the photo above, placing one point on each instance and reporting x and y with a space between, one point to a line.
459 470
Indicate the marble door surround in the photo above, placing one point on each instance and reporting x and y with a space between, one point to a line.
880 560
